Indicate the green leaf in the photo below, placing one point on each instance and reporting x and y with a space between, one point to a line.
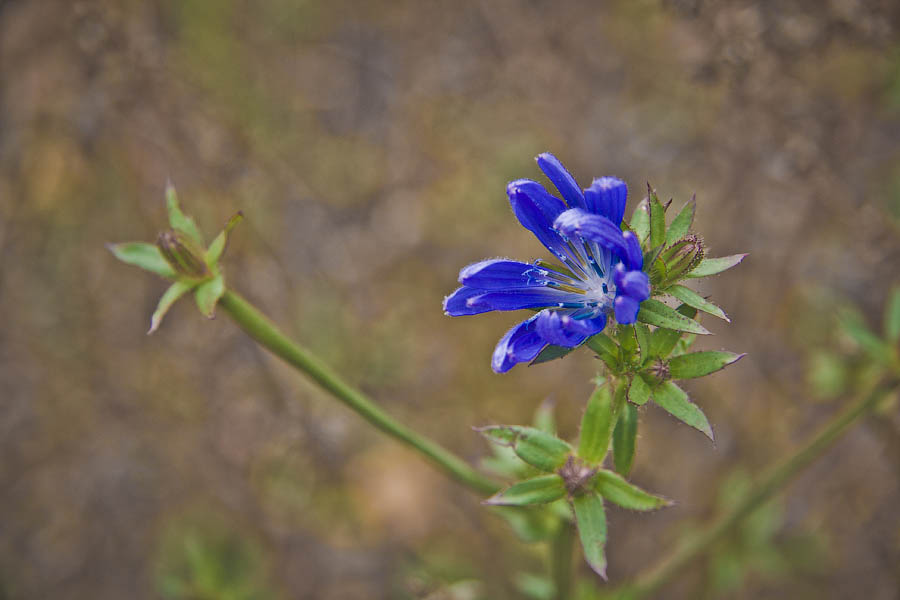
674 400
549 353
892 316
657 219
614 488
654 312
143 255
539 490
178 220
854 325
713 266
642 335
682 223
597 425
692 298
624 437
537 448
536 587
528 524
640 221
699 364
208 294
591 520
638 391
214 252
543 417
606 349
663 341
175 291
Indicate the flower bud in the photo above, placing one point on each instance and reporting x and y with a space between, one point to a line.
660 370
682 257
182 255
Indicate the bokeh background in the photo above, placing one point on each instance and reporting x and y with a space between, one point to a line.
368 144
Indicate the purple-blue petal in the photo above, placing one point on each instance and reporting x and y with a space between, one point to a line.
522 298
536 210
562 179
635 284
634 258
498 274
580 223
606 197
561 329
626 309
520 344
457 303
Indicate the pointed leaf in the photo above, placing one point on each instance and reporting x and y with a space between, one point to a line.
692 298
537 448
597 425
143 255
663 341
682 223
699 364
208 294
657 219
591 520
642 335
654 312
674 400
615 489
714 266
639 390
606 349
892 316
214 253
178 220
624 437
640 221
175 291
551 353
539 490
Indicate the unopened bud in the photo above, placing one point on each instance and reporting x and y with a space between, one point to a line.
182 255
659 369
576 474
682 257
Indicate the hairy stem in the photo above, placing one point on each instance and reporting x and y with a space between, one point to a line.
264 331
775 478
561 559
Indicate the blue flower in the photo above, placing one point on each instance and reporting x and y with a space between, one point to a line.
602 269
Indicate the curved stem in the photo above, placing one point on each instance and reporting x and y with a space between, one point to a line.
655 577
264 331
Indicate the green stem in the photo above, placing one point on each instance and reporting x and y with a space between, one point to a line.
264 331
655 577
561 559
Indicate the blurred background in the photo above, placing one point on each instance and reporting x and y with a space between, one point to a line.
369 145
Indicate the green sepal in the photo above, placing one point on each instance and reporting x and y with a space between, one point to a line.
590 517
657 219
606 349
538 490
537 448
214 252
614 488
654 312
692 298
625 437
700 364
549 353
178 220
892 316
597 425
208 294
627 342
714 266
175 291
143 255
640 221
638 390
682 222
663 341
674 400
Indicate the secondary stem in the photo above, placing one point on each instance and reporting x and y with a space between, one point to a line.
264 331
654 578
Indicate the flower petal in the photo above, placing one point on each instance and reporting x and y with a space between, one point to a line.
520 344
634 258
606 197
499 274
560 328
596 228
634 284
536 210
562 179
626 309
524 298
457 303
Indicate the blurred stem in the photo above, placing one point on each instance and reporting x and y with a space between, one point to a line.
561 559
775 478
264 331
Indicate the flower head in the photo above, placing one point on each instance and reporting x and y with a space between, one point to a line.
601 268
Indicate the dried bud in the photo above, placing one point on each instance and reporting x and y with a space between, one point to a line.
682 257
182 255
659 369
575 473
